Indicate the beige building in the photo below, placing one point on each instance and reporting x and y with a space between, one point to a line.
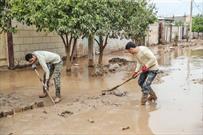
166 30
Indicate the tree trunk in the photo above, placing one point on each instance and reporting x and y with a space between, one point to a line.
67 43
74 51
90 50
10 48
68 61
160 37
170 33
102 44
100 61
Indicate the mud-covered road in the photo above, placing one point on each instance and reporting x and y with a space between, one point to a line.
84 111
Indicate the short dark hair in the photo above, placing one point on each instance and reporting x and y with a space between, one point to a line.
130 45
28 56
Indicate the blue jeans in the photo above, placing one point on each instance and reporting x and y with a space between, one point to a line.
146 79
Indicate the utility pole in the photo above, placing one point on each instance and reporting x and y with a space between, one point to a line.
191 6
188 64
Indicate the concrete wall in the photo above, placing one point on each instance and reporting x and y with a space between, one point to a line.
176 30
27 40
152 35
3 52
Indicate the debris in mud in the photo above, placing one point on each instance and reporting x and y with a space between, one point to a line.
45 112
126 128
65 113
120 61
199 81
99 71
115 92
91 120
115 65
12 111
13 103
119 93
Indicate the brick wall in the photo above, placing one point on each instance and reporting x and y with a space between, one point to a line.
26 40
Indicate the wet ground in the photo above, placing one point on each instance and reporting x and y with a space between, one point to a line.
83 110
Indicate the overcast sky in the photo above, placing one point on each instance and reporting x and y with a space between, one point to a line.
177 7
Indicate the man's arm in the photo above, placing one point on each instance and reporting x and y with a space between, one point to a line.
138 66
44 67
151 58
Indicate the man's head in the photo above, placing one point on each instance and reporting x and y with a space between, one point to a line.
30 58
131 47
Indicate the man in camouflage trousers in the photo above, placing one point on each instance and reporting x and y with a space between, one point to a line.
52 65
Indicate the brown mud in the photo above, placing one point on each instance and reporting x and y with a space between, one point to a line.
84 110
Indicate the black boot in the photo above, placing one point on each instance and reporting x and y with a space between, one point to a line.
152 96
144 98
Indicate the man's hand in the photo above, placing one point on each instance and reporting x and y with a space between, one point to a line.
145 68
34 66
135 74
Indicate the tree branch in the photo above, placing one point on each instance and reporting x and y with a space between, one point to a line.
64 42
105 43
97 41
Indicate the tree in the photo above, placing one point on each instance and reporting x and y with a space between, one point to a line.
93 20
197 24
138 19
6 26
112 22
50 15
130 17
72 18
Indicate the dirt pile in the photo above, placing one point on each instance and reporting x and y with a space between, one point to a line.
115 65
13 103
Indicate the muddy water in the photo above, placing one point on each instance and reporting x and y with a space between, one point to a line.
178 110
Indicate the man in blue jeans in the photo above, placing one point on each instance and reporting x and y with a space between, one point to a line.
147 63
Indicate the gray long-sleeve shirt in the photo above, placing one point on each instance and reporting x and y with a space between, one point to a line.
44 58
145 57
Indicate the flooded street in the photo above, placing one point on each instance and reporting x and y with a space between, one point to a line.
83 110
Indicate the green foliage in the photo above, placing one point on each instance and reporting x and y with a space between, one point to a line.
5 17
197 23
78 17
138 18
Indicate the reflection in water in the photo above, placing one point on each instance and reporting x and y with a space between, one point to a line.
164 57
143 117
165 54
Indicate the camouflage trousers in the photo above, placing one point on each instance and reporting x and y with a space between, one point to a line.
55 71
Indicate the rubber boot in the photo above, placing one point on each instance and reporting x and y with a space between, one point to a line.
144 98
152 96
43 95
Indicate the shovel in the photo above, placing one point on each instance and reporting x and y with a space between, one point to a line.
44 86
109 90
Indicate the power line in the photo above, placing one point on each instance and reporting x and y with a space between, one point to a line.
197 6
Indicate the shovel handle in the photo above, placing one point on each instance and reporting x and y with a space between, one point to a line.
125 81
44 86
